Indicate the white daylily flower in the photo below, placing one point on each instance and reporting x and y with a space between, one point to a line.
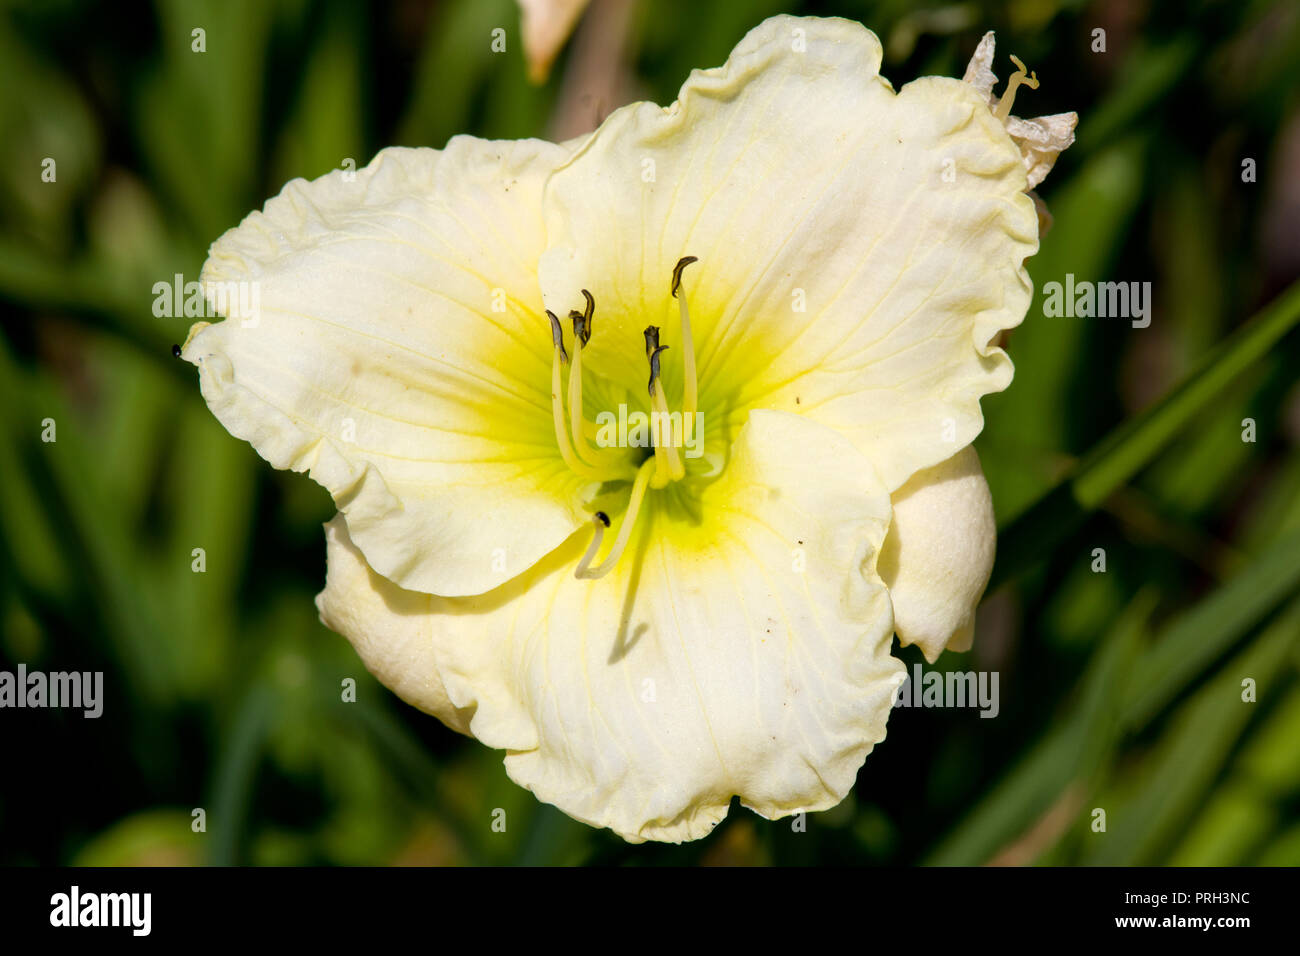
731 633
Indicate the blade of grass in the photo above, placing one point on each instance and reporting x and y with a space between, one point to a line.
419 770
1246 810
1078 743
1120 694
232 788
1139 439
1163 793
1194 641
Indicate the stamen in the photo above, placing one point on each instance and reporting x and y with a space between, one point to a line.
669 464
599 521
690 399
1013 83
584 569
672 462
561 430
582 430
580 445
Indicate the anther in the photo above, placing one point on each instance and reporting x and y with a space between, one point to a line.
580 333
682 263
176 351
557 335
602 518
654 367
582 320
651 339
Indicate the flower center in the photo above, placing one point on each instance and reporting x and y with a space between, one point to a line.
668 431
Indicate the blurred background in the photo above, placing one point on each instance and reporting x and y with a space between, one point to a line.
1121 690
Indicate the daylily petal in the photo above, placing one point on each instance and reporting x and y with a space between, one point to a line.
939 554
390 628
399 356
897 222
741 648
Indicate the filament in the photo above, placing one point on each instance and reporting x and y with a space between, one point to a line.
561 430
584 569
691 398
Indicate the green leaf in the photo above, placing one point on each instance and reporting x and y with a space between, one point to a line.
232 794
1139 439
1164 792
1212 628
1076 746
1121 693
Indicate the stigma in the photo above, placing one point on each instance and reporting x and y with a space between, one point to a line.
574 434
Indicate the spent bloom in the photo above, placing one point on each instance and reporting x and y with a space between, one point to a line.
794 270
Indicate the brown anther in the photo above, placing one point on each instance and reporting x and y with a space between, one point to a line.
557 335
677 272
654 367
